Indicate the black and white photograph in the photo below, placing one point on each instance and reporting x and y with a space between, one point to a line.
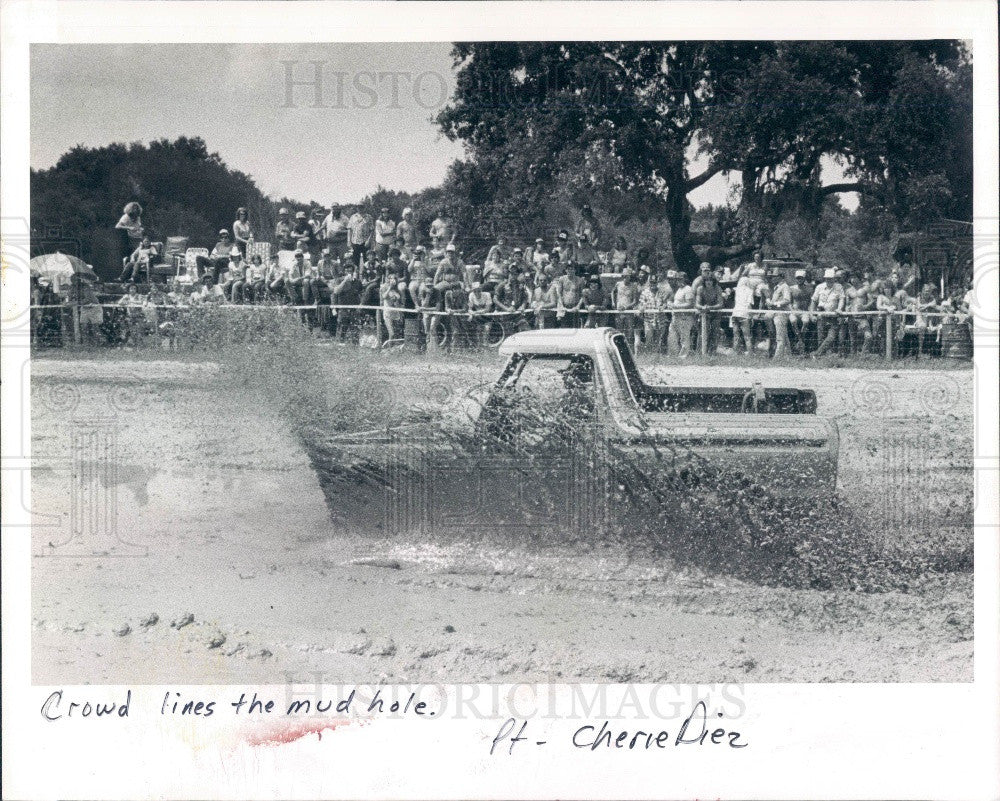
432 401
530 361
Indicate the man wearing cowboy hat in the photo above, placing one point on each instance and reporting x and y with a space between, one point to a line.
827 304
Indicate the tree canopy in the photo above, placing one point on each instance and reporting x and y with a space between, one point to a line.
640 125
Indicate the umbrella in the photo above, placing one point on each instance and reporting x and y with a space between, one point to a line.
58 268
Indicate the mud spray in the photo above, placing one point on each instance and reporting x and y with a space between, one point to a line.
372 445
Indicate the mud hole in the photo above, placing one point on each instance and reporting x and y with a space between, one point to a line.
242 524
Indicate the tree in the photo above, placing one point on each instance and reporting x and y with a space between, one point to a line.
768 112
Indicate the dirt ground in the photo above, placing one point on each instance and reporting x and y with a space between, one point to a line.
182 536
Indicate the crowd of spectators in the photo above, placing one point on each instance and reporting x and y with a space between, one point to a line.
344 270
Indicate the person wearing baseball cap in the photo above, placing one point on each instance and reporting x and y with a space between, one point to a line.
283 238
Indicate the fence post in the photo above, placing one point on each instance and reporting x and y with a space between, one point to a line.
704 333
888 337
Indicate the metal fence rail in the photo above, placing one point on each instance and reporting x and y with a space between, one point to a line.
437 326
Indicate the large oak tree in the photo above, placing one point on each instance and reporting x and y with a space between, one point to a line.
643 124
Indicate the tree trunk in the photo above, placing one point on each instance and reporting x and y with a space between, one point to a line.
679 220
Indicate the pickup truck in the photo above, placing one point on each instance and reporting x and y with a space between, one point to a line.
570 432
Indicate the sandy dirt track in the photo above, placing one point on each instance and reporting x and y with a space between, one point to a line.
218 515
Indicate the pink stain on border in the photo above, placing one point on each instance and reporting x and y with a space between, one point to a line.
282 733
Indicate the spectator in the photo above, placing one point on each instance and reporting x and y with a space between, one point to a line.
536 257
618 257
511 296
517 263
654 300
406 230
385 234
391 297
587 227
596 303
708 300
242 232
564 248
129 229
207 292
586 256
682 319
495 266
859 299
239 272
284 238
419 272
780 304
442 230
456 304
218 260
131 306
480 305
256 279
276 280
450 274
569 291
828 300
335 229
544 300
625 297
800 294
302 232
139 260
361 235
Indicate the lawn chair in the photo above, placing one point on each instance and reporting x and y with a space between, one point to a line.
191 261
158 249
262 249
173 257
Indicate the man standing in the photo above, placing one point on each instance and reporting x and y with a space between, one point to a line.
385 234
442 230
781 303
302 231
596 303
360 235
536 257
682 319
570 293
408 231
828 302
625 298
283 239
653 302
859 299
335 229
587 226
708 300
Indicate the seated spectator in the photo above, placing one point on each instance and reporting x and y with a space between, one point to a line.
544 301
218 260
139 260
480 304
295 281
511 296
283 236
618 256
450 273
132 319
242 232
595 302
233 272
207 292
456 304
391 297
536 257
564 248
256 278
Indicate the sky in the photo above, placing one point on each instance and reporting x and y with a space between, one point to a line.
367 123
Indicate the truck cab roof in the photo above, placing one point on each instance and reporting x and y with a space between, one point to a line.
557 342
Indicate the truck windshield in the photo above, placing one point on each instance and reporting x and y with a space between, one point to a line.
632 376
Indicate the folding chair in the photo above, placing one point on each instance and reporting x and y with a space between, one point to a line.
191 261
262 249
